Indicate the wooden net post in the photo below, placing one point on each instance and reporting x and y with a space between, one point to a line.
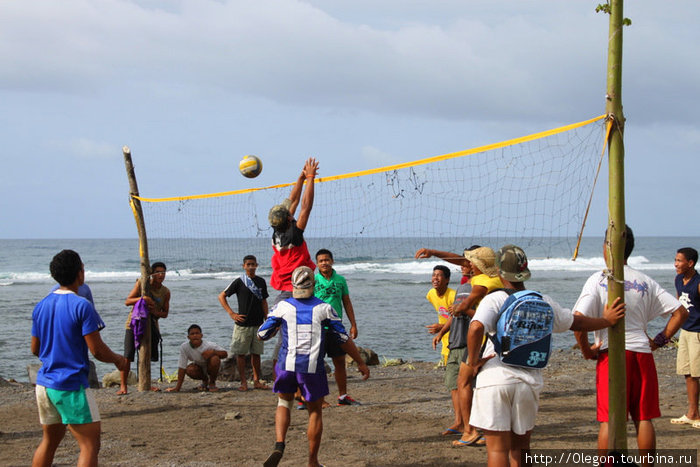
615 239
145 346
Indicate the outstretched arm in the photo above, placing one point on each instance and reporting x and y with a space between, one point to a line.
611 315
295 195
180 380
103 353
350 349
453 258
307 202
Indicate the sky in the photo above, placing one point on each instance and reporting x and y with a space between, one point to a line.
191 86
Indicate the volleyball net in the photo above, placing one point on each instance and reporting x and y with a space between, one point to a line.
532 190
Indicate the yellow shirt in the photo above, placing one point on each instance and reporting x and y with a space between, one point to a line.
441 303
491 284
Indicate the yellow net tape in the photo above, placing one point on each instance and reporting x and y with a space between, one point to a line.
388 168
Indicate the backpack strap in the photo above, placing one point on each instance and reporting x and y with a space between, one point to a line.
511 298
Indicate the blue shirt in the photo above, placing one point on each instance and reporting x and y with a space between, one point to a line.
60 321
303 324
84 291
689 297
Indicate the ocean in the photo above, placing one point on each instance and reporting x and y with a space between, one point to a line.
388 293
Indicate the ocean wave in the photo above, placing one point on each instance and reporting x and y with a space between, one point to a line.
537 264
410 267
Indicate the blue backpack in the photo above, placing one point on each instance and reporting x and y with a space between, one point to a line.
524 331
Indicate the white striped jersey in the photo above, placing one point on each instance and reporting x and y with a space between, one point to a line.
305 325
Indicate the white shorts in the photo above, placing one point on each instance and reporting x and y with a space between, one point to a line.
510 407
66 407
688 357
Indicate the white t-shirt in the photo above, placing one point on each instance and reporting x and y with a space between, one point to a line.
191 354
644 300
494 372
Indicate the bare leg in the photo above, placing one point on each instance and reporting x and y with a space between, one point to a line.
213 366
519 445
53 434
194 371
240 360
88 438
498 448
123 378
646 437
458 424
315 430
692 386
282 418
255 361
603 439
464 391
341 375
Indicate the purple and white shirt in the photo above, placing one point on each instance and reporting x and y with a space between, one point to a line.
305 325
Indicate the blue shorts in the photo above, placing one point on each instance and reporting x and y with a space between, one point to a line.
313 386
66 407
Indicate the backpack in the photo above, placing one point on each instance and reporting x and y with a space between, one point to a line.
524 330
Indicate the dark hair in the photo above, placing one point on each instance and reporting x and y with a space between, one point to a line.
158 264
472 248
65 267
194 326
323 251
250 258
629 240
691 254
445 270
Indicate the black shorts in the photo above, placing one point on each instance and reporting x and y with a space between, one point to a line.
130 348
333 348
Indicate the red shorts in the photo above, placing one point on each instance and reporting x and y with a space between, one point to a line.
642 386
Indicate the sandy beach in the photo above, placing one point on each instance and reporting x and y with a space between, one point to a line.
405 407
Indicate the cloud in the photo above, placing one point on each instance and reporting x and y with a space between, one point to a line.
527 62
378 158
88 149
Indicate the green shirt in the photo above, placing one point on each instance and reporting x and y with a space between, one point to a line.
332 291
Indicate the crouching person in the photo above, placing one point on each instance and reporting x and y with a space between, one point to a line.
199 359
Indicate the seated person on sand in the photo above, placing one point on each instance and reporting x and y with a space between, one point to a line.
199 359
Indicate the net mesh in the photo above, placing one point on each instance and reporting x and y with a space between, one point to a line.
531 191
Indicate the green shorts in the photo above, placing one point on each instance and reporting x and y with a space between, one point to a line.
454 358
66 407
245 341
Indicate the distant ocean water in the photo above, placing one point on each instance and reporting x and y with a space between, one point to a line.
388 293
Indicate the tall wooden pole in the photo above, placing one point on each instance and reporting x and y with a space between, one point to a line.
145 346
615 241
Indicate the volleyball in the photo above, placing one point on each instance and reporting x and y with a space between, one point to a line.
250 166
